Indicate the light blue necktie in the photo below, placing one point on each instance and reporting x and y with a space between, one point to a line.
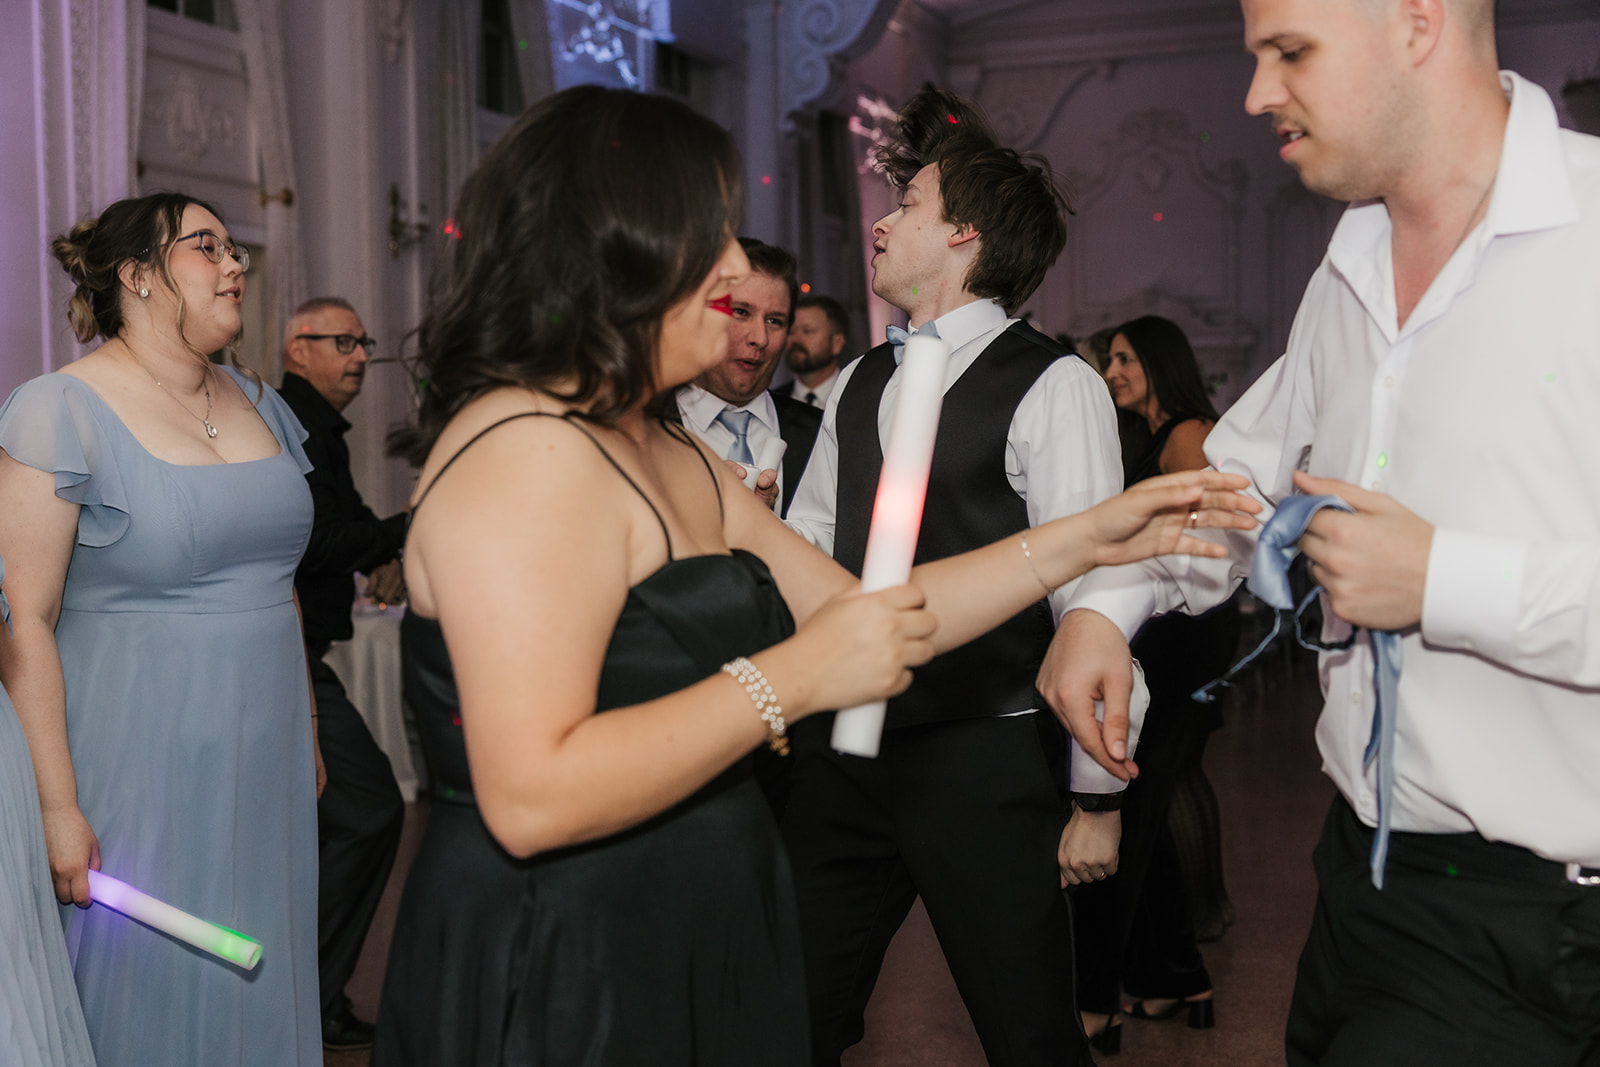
1269 579
897 337
738 424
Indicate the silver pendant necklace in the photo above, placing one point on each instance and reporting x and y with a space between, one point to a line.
205 383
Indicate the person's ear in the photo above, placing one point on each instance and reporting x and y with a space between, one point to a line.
963 234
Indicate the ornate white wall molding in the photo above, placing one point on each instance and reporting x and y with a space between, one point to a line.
819 38
190 123
1161 199
1022 102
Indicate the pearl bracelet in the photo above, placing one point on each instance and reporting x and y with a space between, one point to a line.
755 683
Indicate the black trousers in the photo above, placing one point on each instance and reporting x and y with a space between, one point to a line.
358 832
1473 953
967 814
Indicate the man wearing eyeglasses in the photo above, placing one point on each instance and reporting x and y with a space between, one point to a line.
325 353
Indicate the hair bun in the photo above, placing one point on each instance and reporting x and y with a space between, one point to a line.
72 250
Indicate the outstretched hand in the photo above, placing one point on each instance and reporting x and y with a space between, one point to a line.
1157 516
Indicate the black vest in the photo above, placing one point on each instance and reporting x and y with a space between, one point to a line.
969 504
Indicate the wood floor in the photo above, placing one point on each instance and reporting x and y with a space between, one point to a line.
1265 770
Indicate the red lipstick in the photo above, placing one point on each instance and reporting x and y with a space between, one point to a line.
723 303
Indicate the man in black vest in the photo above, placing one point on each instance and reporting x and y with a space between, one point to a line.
360 813
728 406
964 804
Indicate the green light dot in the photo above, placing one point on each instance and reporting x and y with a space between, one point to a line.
913 290
522 45
1383 459
1205 138
1549 377
1451 869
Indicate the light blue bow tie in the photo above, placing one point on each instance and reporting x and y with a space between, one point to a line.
1277 547
738 424
897 337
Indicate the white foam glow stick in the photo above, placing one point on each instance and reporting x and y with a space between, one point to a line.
771 455
897 510
206 936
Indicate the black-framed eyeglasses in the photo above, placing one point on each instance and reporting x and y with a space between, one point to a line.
344 342
212 248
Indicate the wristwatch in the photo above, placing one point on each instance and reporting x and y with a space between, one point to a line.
1096 802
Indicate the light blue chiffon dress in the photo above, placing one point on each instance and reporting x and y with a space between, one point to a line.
189 722
41 1024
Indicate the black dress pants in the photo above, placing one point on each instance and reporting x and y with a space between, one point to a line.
359 818
968 815
1473 954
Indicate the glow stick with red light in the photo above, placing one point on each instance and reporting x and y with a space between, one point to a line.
159 915
897 511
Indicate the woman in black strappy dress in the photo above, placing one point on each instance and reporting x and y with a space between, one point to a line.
609 888
1134 931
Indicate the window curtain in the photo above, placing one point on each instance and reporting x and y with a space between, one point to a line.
261 32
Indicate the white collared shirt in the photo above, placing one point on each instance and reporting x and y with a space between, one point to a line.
1062 454
822 390
1479 415
700 410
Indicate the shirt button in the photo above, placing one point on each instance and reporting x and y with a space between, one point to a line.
1366 798
1388 381
1376 485
1355 696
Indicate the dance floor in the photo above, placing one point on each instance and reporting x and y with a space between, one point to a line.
1265 769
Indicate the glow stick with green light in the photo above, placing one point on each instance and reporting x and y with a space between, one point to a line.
159 915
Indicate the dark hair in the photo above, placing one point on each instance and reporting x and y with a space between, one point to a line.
1013 200
1169 366
838 318
774 262
141 230
595 213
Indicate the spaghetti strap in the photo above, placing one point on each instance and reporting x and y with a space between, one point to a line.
566 418
678 430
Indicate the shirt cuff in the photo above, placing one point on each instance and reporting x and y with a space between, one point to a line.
1126 595
1473 592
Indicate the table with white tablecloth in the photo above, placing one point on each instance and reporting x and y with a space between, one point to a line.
369 666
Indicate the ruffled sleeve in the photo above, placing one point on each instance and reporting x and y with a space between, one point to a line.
278 417
53 423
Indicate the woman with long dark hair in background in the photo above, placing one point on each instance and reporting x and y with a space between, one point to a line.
1134 931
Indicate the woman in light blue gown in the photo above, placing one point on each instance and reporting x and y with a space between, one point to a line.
153 508
41 1024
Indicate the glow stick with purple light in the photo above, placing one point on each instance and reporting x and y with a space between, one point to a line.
897 509
158 915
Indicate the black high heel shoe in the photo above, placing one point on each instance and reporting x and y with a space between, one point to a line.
1202 1013
1108 1038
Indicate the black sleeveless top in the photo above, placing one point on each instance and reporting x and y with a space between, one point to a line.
674 941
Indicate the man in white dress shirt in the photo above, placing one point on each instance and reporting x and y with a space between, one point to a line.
728 406
964 804
816 341
1475 476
